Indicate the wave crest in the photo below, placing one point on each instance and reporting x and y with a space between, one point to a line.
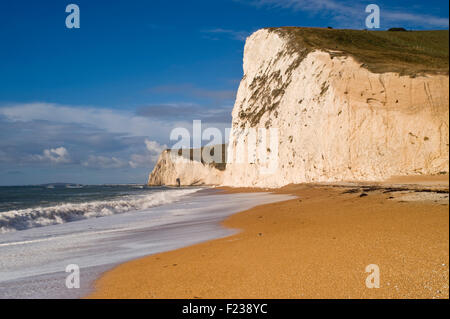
22 219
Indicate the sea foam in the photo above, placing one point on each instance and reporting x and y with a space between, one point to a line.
21 219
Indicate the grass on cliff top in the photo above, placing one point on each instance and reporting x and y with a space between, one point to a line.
408 53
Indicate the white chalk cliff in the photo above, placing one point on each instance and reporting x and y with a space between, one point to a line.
174 170
336 121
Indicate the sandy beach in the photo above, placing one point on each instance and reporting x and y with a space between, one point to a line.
315 246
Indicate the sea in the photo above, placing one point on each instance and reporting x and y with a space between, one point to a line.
47 230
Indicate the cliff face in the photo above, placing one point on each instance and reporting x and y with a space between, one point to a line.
174 170
335 119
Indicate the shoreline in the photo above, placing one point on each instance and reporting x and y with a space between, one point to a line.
315 246
34 260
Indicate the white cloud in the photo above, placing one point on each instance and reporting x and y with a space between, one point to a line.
113 121
154 147
347 12
103 162
180 111
233 34
147 160
58 155
419 19
98 138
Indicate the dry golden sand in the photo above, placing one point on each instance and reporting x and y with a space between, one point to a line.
316 246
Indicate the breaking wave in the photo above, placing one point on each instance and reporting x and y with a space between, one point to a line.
21 219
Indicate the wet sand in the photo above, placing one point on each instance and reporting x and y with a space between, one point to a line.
316 246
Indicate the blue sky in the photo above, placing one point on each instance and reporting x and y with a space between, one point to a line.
97 104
